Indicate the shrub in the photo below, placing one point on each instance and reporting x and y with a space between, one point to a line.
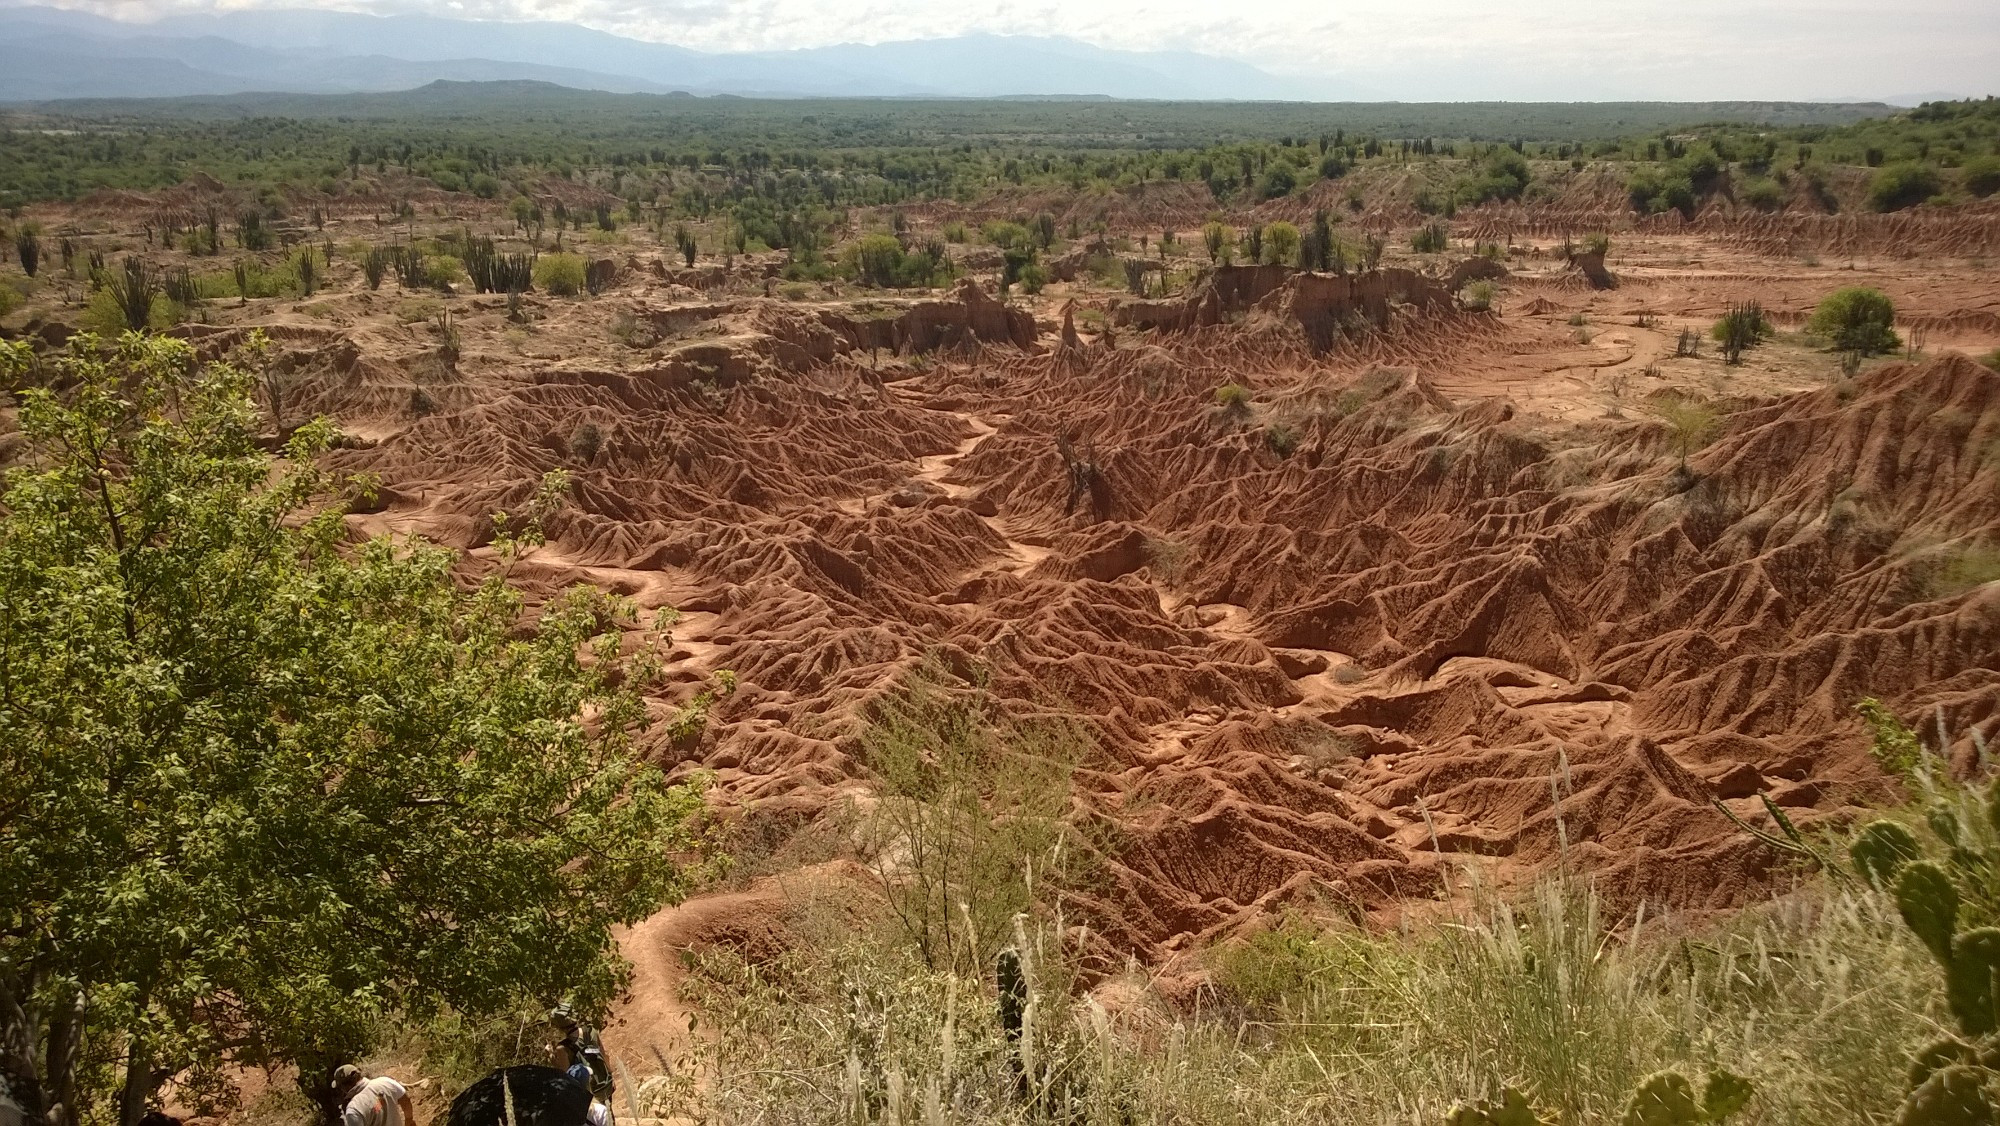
443 271
1332 167
1503 176
970 799
1857 320
875 261
560 274
1282 242
1007 236
1234 399
1764 194
1654 190
1478 296
1279 180
1691 424
1740 329
1981 175
1431 238
374 264
1903 184
954 231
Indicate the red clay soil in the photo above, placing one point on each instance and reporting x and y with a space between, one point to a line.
1438 630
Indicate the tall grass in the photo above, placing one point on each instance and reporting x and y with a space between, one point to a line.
885 1009
1816 998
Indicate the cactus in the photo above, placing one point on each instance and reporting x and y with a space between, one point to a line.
1969 985
1943 822
1939 1055
1928 901
134 291
1724 1095
1510 1108
1666 1098
1012 983
1951 1096
1881 850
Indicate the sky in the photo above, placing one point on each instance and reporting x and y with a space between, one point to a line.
1408 49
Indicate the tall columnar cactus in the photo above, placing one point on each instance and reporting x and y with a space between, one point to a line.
1012 983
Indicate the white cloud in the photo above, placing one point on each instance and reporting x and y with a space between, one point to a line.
1417 49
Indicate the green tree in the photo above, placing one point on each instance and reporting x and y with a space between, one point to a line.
261 788
1981 175
1904 184
1281 241
1856 319
876 260
1278 181
1690 425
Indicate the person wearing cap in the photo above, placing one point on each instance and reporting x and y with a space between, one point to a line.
380 1101
580 1055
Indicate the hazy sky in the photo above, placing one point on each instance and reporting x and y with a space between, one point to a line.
1406 49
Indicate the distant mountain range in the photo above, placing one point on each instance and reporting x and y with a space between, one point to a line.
49 53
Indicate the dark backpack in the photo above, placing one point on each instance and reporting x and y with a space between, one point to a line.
588 1046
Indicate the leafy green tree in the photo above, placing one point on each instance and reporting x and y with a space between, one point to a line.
1281 241
878 260
1764 194
1278 181
261 788
1904 184
1856 319
1503 176
1981 175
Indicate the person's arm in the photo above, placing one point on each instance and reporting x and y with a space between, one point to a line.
409 1111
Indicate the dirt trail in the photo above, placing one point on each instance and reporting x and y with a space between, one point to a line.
1335 644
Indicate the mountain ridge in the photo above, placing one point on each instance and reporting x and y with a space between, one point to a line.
48 53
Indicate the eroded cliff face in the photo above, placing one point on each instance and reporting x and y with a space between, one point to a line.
1416 628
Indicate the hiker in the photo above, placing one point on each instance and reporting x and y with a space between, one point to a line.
581 1053
380 1101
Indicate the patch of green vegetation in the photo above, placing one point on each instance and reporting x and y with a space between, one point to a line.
1856 320
560 275
1903 184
